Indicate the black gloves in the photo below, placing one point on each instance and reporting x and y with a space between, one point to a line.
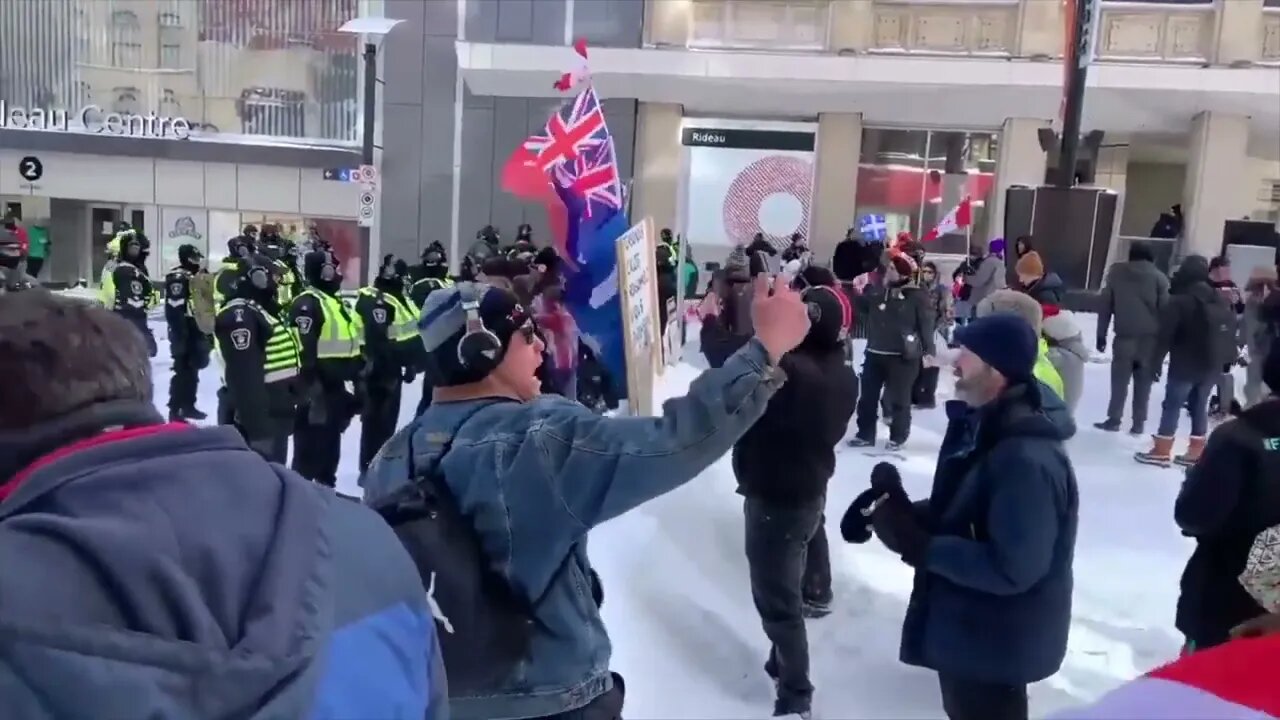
1102 345
894 520
409 375
898 528
855 526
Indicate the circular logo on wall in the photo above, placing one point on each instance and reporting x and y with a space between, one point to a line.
777 181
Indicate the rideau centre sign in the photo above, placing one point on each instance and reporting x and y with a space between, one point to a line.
93 119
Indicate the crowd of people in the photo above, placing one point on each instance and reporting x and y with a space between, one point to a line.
211 581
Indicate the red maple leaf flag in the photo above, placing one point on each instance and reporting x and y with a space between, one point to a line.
959 218
570 79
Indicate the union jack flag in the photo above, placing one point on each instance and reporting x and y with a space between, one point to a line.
575 150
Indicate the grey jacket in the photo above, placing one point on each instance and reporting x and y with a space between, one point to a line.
535 477
1068 354
1134 293
987 278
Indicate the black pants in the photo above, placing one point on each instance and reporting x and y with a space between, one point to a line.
816 587
275 448
1130 357
964 699
777 542
317 439
894 377
925 390
190 356
606 707
379 415
34 265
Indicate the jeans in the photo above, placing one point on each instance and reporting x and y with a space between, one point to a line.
777 541
606 707
1191 394
964 699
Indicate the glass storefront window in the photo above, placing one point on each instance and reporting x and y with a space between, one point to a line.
914 177
342 235
254 67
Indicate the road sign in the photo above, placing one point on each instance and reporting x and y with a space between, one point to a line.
368 174
342 174
30 168
365 214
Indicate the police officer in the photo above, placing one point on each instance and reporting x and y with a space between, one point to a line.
390 341
260 358
487 245
112 253
432 274
330 335
276 248
189 340
239 248
129 288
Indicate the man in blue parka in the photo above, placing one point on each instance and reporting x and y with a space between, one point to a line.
152 570
993 545
535 474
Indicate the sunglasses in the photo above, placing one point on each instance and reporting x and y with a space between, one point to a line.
528 331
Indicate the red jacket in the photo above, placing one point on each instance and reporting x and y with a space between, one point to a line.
18 234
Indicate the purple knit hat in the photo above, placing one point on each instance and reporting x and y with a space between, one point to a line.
996 248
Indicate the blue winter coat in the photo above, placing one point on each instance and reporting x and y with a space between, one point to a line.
535 477
173 573
992 600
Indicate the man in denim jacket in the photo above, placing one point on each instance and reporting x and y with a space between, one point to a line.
535 474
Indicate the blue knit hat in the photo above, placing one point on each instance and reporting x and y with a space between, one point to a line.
1004 341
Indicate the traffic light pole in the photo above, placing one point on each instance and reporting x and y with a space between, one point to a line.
1085 12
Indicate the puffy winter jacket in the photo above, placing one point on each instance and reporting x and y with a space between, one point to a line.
1184 324
1068 354
988 276
992 600
1230 496
894 313
162 571
1133 295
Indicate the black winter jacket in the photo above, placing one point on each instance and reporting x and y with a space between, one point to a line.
1048 290
1184 326
788 456
1230 496
894 313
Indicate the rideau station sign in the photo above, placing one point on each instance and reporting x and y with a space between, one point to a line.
95 120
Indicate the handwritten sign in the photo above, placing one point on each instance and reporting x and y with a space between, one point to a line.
637 282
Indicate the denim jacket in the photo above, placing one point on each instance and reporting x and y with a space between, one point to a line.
536 477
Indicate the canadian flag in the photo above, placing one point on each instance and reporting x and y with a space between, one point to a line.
960 217
570 79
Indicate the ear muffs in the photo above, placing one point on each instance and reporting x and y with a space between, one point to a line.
479 350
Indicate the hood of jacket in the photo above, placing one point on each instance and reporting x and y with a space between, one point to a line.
1132 271
167 572
1193 271
1264 417
1062 329
1024 410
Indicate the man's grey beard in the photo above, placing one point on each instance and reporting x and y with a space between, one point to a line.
978 390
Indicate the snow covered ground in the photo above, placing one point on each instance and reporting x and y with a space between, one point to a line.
689 643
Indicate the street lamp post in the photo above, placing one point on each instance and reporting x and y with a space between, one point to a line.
373 29
1084 29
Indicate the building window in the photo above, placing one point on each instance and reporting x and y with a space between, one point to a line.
126 40
273 111
126 100
84 93
783 25
170 20
170 106
914 177
170 56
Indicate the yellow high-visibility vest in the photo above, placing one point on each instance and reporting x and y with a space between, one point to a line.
342 333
